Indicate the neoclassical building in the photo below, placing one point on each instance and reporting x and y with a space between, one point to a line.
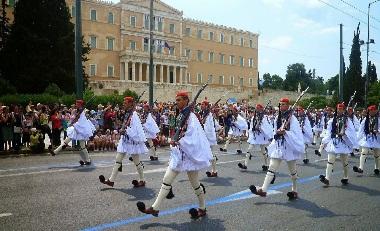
187 52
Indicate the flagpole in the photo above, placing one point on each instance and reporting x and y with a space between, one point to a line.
151 55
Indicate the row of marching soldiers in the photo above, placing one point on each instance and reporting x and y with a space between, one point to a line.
280 137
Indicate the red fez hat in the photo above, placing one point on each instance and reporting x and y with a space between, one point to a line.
205 102
284 100
79 102
350 108
340 106
372 108
128 99
182 93
259 106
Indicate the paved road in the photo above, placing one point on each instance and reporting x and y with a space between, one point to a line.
54 193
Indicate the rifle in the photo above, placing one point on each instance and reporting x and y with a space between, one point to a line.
184 115
79 112
258 125
138 98
291 109
342 130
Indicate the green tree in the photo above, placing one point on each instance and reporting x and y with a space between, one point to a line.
371 73
374 93
332 84
272 82
353 80
40 48
295 74
4 25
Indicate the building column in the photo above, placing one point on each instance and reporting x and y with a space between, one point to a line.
181 75
133 71
168 74
154 72
147 72
186 82
174 74
161 73
126 70
122 71
140 72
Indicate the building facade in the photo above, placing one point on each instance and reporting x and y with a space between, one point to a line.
187 52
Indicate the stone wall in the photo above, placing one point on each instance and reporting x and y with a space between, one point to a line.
166 92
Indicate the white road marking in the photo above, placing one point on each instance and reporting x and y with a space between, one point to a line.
5 214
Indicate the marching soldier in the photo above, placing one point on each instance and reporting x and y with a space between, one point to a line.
151 129
259 136
190 153
287 145
132 142
81 130
306 130
368 136
327 116
339 140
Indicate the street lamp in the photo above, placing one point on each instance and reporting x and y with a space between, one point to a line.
368 42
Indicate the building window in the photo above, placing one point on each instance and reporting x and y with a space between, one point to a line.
188 78
146 21
221 58
221 80
200 56
93 15
250 82
211 36
159 47
251 43
210 79
232 59
187 31
250 62
232 40
199 34
232 80
92 69
171 51
171 28
159 24
241 61
132 21
199 78
110 71
146 44
211 57
110 18
241 41
110 43
73 11
93 42
187 53
132 45
221 37
241 82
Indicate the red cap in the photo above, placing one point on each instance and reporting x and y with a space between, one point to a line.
205 102
350 109
259 106
128 99
182 93
284 100
372 108
340 106
79 102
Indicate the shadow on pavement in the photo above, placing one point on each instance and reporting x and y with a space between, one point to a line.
218 181
138 194
192 225
308 206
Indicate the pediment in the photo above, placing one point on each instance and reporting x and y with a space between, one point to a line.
158 5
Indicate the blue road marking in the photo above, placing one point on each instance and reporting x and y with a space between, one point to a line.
233 197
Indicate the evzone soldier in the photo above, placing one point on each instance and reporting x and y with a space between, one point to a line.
352 117
132 142
259 136
327 116
369 138
237 124
339 140
306 130
151 129
81 130
209 126
318 127
190 153
287 145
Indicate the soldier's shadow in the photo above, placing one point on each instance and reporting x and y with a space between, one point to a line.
218 181
314 165
353 187
198 225
138 194
302 204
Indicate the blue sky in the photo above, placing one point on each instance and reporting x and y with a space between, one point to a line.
291 31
